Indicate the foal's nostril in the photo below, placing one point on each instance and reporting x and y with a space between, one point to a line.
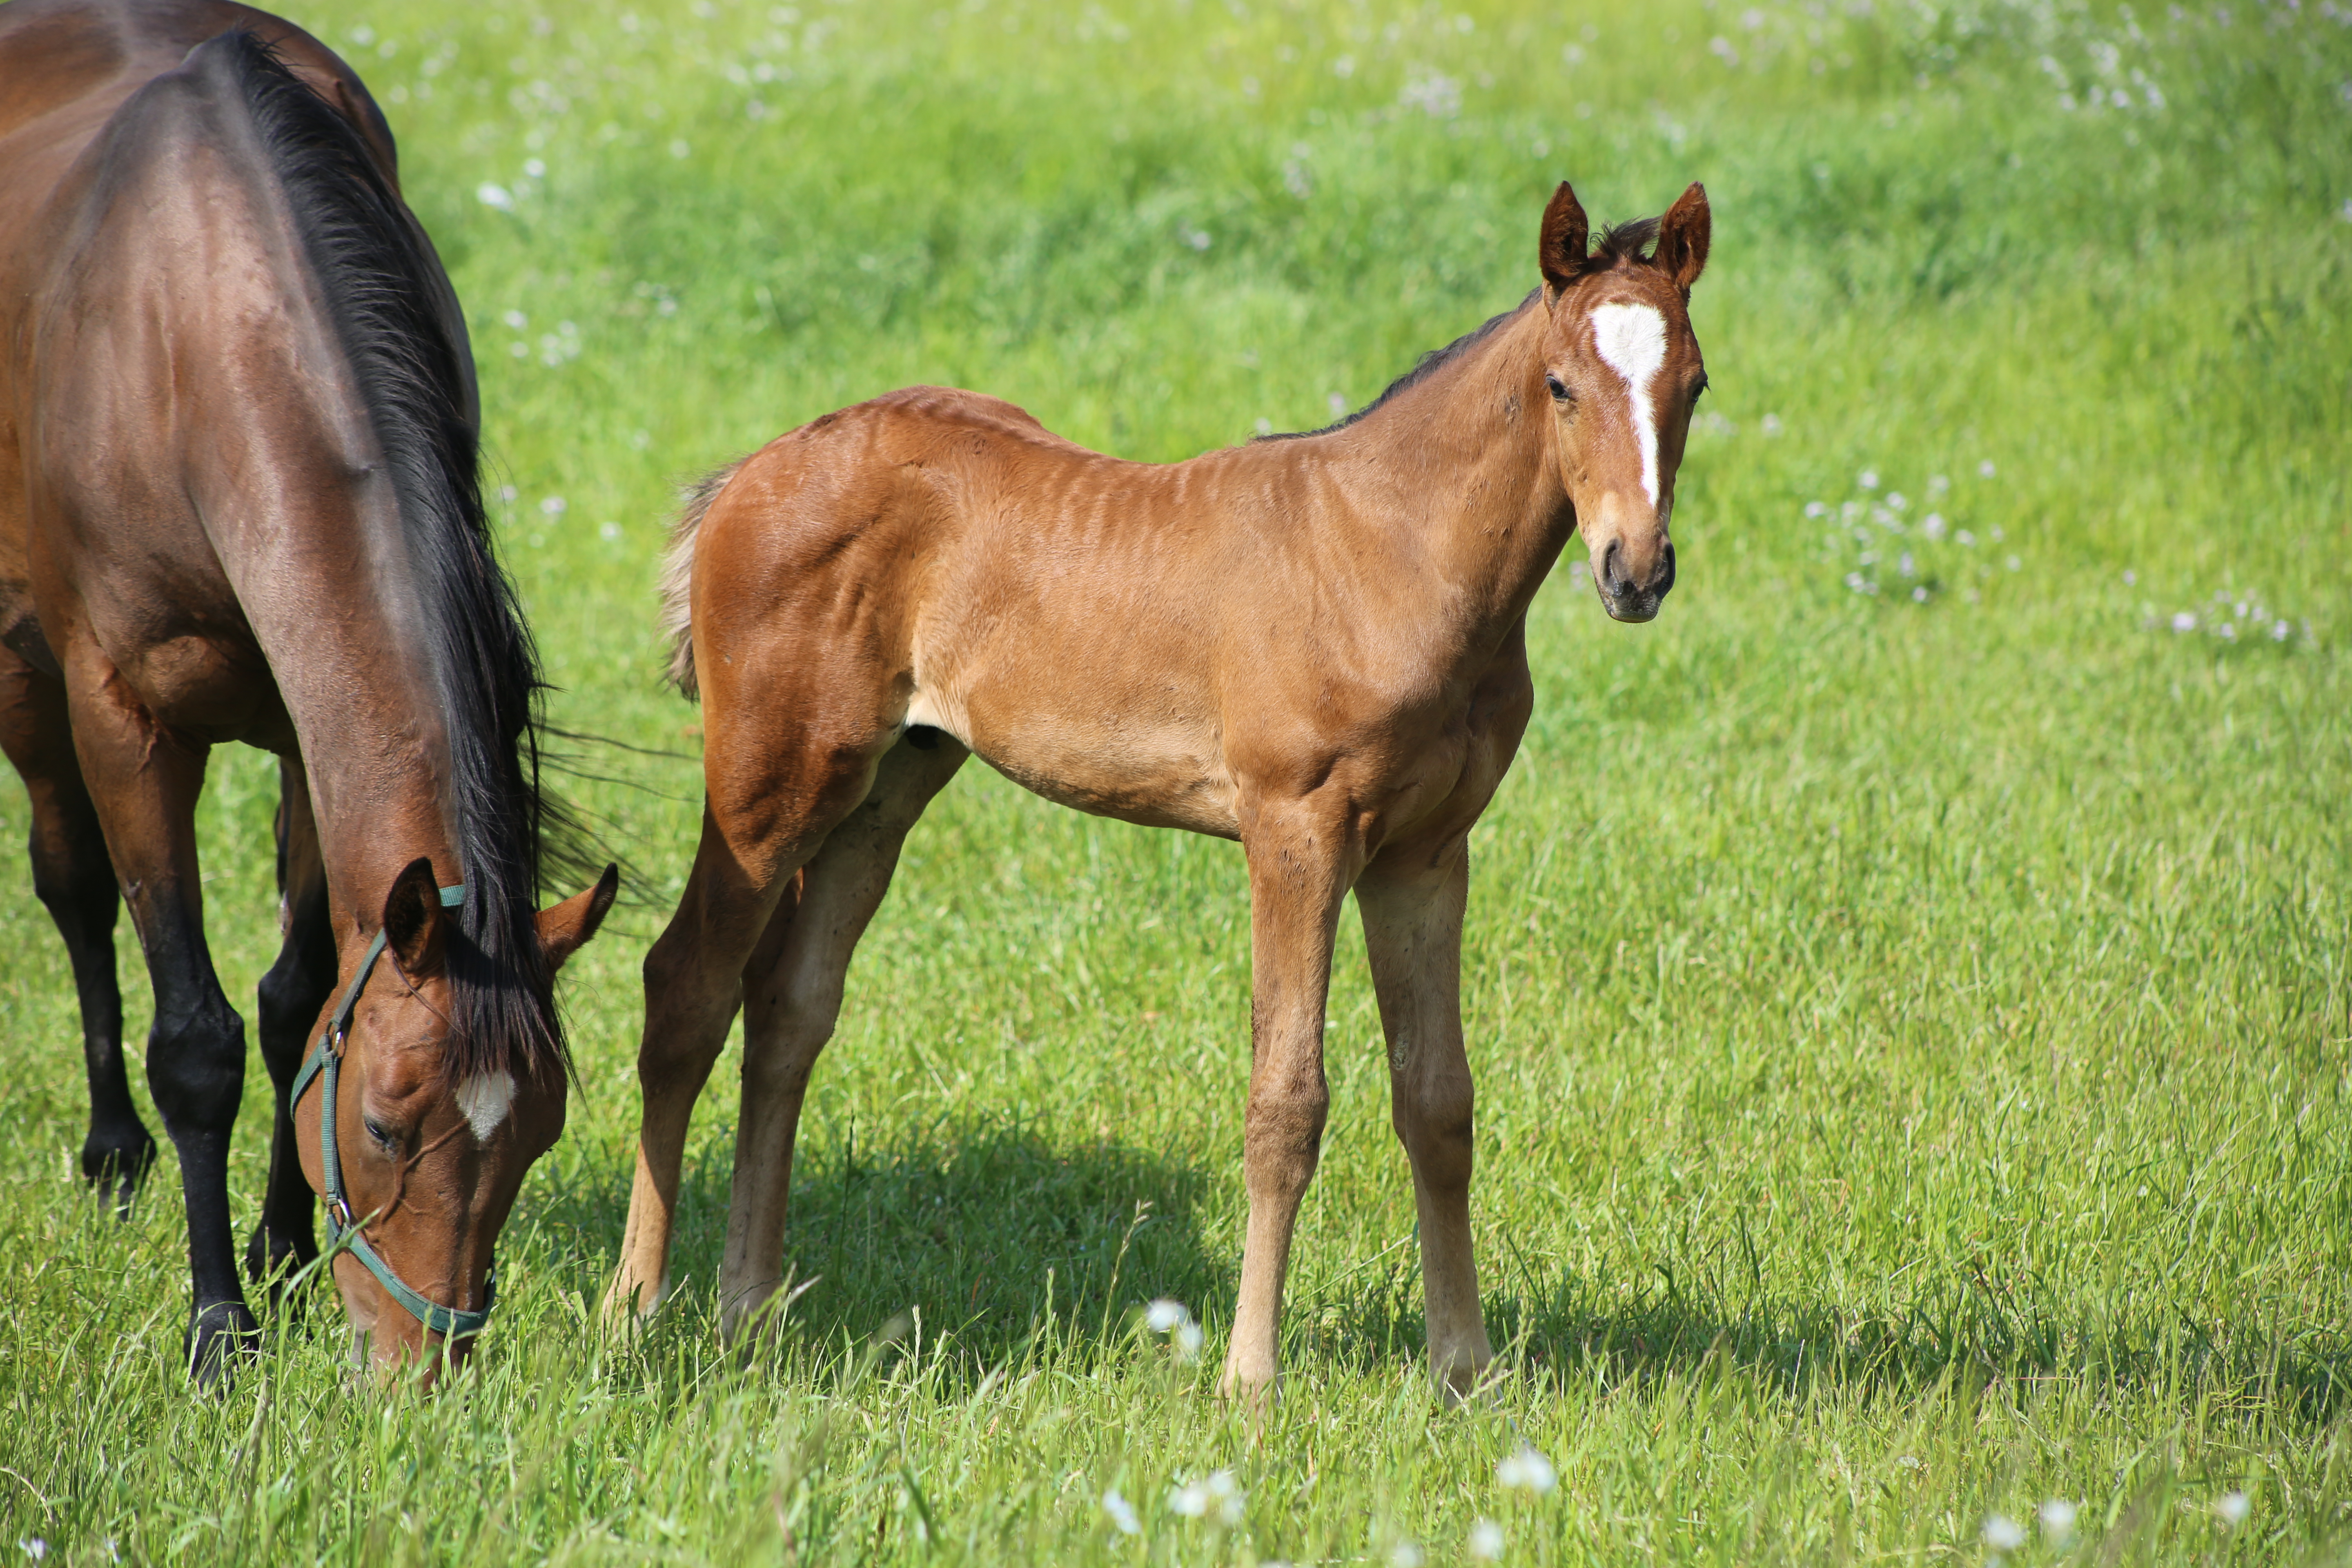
1612 577
1667 574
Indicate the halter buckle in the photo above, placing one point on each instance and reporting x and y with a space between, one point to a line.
339 1209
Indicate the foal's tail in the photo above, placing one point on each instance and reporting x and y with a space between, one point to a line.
677 577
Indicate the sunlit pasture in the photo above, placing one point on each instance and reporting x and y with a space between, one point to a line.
1907 980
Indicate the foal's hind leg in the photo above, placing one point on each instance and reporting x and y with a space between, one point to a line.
291 995
145 780
792 997
770 801
1411 901
73 877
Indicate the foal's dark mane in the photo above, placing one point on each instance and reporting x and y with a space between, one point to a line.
1620 244
382 284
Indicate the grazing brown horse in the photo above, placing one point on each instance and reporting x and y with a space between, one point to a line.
1314 645
239 502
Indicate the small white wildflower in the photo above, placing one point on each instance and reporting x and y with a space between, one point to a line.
1816 508
2228 632
1897 500
1904 565
1190 1500
2184 621
1932 525
681 148
1165 1314
1188 1341
1338 406
1985 470
1486 1541
1264 425
2232 1508
1919 595
609 531
1404 1554
1771 423
2058 1518
553 505
535 167
2012 562
1527 1470
1122 1513
1869 480
2003 1534
2279 631
36 1548
1939 483
2130 578
1966 540
494 195
516 319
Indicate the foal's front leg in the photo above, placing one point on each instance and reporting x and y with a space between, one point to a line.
1300 860
1411 899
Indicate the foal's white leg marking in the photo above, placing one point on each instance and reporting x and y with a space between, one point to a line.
1631 340
486 1098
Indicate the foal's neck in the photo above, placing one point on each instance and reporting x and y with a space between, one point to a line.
1459 466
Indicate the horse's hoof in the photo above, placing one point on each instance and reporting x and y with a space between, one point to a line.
114 1163
272 1258
218 1337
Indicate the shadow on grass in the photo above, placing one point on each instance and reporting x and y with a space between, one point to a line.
987 1233
1970 1334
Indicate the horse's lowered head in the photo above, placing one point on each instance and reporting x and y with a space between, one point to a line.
432 1139
1623 371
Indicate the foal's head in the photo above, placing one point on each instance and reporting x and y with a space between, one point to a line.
1623 371
430 1160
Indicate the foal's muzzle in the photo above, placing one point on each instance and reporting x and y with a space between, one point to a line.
1627 592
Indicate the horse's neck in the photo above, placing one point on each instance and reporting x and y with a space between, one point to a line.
1459 468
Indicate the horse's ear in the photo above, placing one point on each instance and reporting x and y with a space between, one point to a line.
1683 236
564 929
1559 252
415 927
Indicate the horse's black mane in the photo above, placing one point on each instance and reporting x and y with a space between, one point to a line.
384 289
1620 244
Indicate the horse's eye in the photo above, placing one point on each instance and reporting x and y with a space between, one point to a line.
1558 388
382 1134
1698 392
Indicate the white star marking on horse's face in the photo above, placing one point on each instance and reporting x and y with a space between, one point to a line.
485 1099
1631 340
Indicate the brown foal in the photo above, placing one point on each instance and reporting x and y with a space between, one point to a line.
1314 645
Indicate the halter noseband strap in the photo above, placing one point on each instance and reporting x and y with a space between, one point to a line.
324 1062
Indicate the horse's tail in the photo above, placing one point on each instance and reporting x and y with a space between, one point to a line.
677 577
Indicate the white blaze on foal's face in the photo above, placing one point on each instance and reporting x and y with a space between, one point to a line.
485 1099
1631 340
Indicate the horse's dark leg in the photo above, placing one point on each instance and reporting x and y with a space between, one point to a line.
292 994
145 778
72 876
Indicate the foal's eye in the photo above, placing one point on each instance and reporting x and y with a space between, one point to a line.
382 1134
1558 388
1698 392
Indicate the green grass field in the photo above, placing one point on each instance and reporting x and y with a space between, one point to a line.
1908 982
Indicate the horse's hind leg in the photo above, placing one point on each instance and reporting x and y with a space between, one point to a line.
291 996
1412 901
145 779
74 879
792 997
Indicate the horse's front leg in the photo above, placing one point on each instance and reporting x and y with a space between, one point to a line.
1411 898
292 996
1301 859
144 778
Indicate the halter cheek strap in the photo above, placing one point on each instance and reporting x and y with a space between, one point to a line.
324 1063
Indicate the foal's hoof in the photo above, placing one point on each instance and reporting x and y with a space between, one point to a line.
218 1337
115 1162
274 1257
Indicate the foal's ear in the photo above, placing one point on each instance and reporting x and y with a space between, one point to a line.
1559 252
1682 237
564 929
414 926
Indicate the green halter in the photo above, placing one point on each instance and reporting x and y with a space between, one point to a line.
325 1059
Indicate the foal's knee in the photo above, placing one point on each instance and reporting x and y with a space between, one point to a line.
1282 1136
